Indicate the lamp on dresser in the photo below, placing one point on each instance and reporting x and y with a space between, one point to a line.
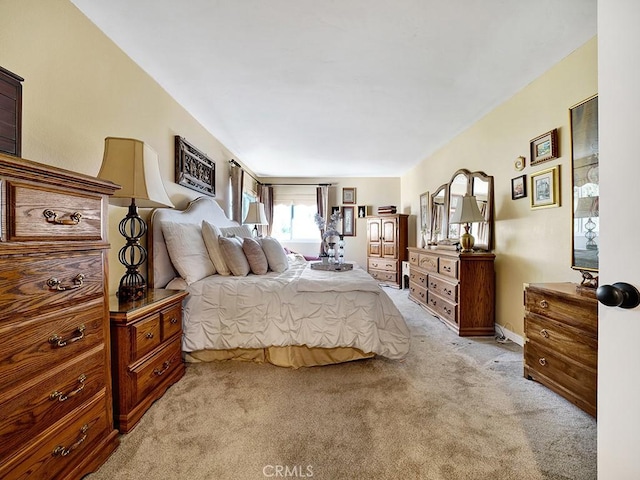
467 212
256 216
134 165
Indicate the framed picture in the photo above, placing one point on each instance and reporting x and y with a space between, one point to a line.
348 221
519 187
424 212
362 211
335 210
194 169
545 188
544 147
349 195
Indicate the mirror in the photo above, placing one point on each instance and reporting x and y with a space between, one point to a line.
438 214
457 189
585 183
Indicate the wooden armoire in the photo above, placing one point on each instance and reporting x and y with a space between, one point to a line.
387 237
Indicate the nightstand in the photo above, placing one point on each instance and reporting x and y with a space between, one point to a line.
146 353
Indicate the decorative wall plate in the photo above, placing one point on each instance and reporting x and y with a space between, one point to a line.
519 163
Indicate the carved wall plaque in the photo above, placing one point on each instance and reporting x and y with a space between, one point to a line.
194 169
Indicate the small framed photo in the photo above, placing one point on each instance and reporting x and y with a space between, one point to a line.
362 211
545 188
544 147
348 221
424 212
349 195
519 187
335 210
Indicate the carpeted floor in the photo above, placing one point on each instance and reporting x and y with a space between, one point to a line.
455 408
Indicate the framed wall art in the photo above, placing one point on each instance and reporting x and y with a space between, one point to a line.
363 211
349 196
348 221
544 147
194 169
519 187
545 188
424 212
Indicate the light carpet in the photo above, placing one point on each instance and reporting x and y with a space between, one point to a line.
455 408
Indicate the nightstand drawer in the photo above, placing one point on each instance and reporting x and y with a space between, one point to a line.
171 321
153 372
571 310
146 336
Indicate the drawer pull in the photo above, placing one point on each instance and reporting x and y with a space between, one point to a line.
544 333
165 367
56 285
544 304
61 397
149 335
447 310
448 292
173 320
52 217
61 451
542 361
56 341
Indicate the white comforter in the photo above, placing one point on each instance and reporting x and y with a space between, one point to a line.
300 306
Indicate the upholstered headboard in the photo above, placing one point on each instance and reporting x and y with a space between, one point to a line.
161 270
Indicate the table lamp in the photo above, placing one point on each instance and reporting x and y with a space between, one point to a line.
467 212
256 216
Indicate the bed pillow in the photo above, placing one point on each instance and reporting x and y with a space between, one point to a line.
237 231
187 250
234 256
210 234
255 256
276 256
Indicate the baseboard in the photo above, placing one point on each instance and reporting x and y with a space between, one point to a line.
514 337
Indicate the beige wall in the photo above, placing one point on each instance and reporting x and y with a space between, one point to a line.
80 88
531 245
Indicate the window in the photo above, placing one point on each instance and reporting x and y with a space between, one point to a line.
294 209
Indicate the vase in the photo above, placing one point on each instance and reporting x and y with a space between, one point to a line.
332 252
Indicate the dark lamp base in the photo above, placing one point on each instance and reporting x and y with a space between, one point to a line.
131 292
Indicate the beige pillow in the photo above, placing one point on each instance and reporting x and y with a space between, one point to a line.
236 231
276 257
210 234
234 256
255 256
187 250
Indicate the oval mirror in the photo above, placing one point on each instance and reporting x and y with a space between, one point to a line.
457 189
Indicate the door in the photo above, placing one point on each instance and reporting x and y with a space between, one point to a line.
374 237
389 237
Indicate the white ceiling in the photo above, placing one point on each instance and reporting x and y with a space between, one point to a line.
341 87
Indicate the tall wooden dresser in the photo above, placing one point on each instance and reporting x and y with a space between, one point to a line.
56 409
387 247
458 288
561 347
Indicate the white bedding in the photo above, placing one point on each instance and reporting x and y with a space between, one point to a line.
297 307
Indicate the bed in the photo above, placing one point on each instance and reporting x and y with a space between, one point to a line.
293 317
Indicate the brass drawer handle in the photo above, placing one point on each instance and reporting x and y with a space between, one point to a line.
446 269
173 320
56 341
544 304
61 397
56 285
447 310
544 333
448 292
542 361
165 367
52 217
61 451
149 335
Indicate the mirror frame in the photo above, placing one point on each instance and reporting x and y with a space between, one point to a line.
437 232
584 173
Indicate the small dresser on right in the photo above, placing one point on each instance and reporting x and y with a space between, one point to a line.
561 344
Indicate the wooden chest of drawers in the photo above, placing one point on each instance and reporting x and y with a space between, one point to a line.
561 348
147 353
56 414
458 288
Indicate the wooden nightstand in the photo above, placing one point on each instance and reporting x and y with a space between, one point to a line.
146 352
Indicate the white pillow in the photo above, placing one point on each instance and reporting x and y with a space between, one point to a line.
210 234
237 231
187 250
234 255
276 257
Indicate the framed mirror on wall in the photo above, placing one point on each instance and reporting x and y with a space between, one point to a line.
585 185
439 214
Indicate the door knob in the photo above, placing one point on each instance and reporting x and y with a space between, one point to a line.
619 294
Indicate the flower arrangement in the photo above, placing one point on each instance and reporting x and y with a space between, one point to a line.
329 228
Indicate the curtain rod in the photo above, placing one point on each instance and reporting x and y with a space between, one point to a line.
296 184
245 171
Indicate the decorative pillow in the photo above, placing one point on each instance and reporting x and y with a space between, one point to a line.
234 256
187 250
255 256
238 231
210 234
276 256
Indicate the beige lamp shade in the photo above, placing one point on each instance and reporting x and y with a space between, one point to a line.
256 215
467 211
133 165
587 207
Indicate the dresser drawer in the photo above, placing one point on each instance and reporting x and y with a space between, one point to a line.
56 454
49 214
418 293
448 267
146 336
28 284
383 264
444 309
571 310
443 288
171 321
414 258
429 262
37 345
33 410
384 276
418 278
152 372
